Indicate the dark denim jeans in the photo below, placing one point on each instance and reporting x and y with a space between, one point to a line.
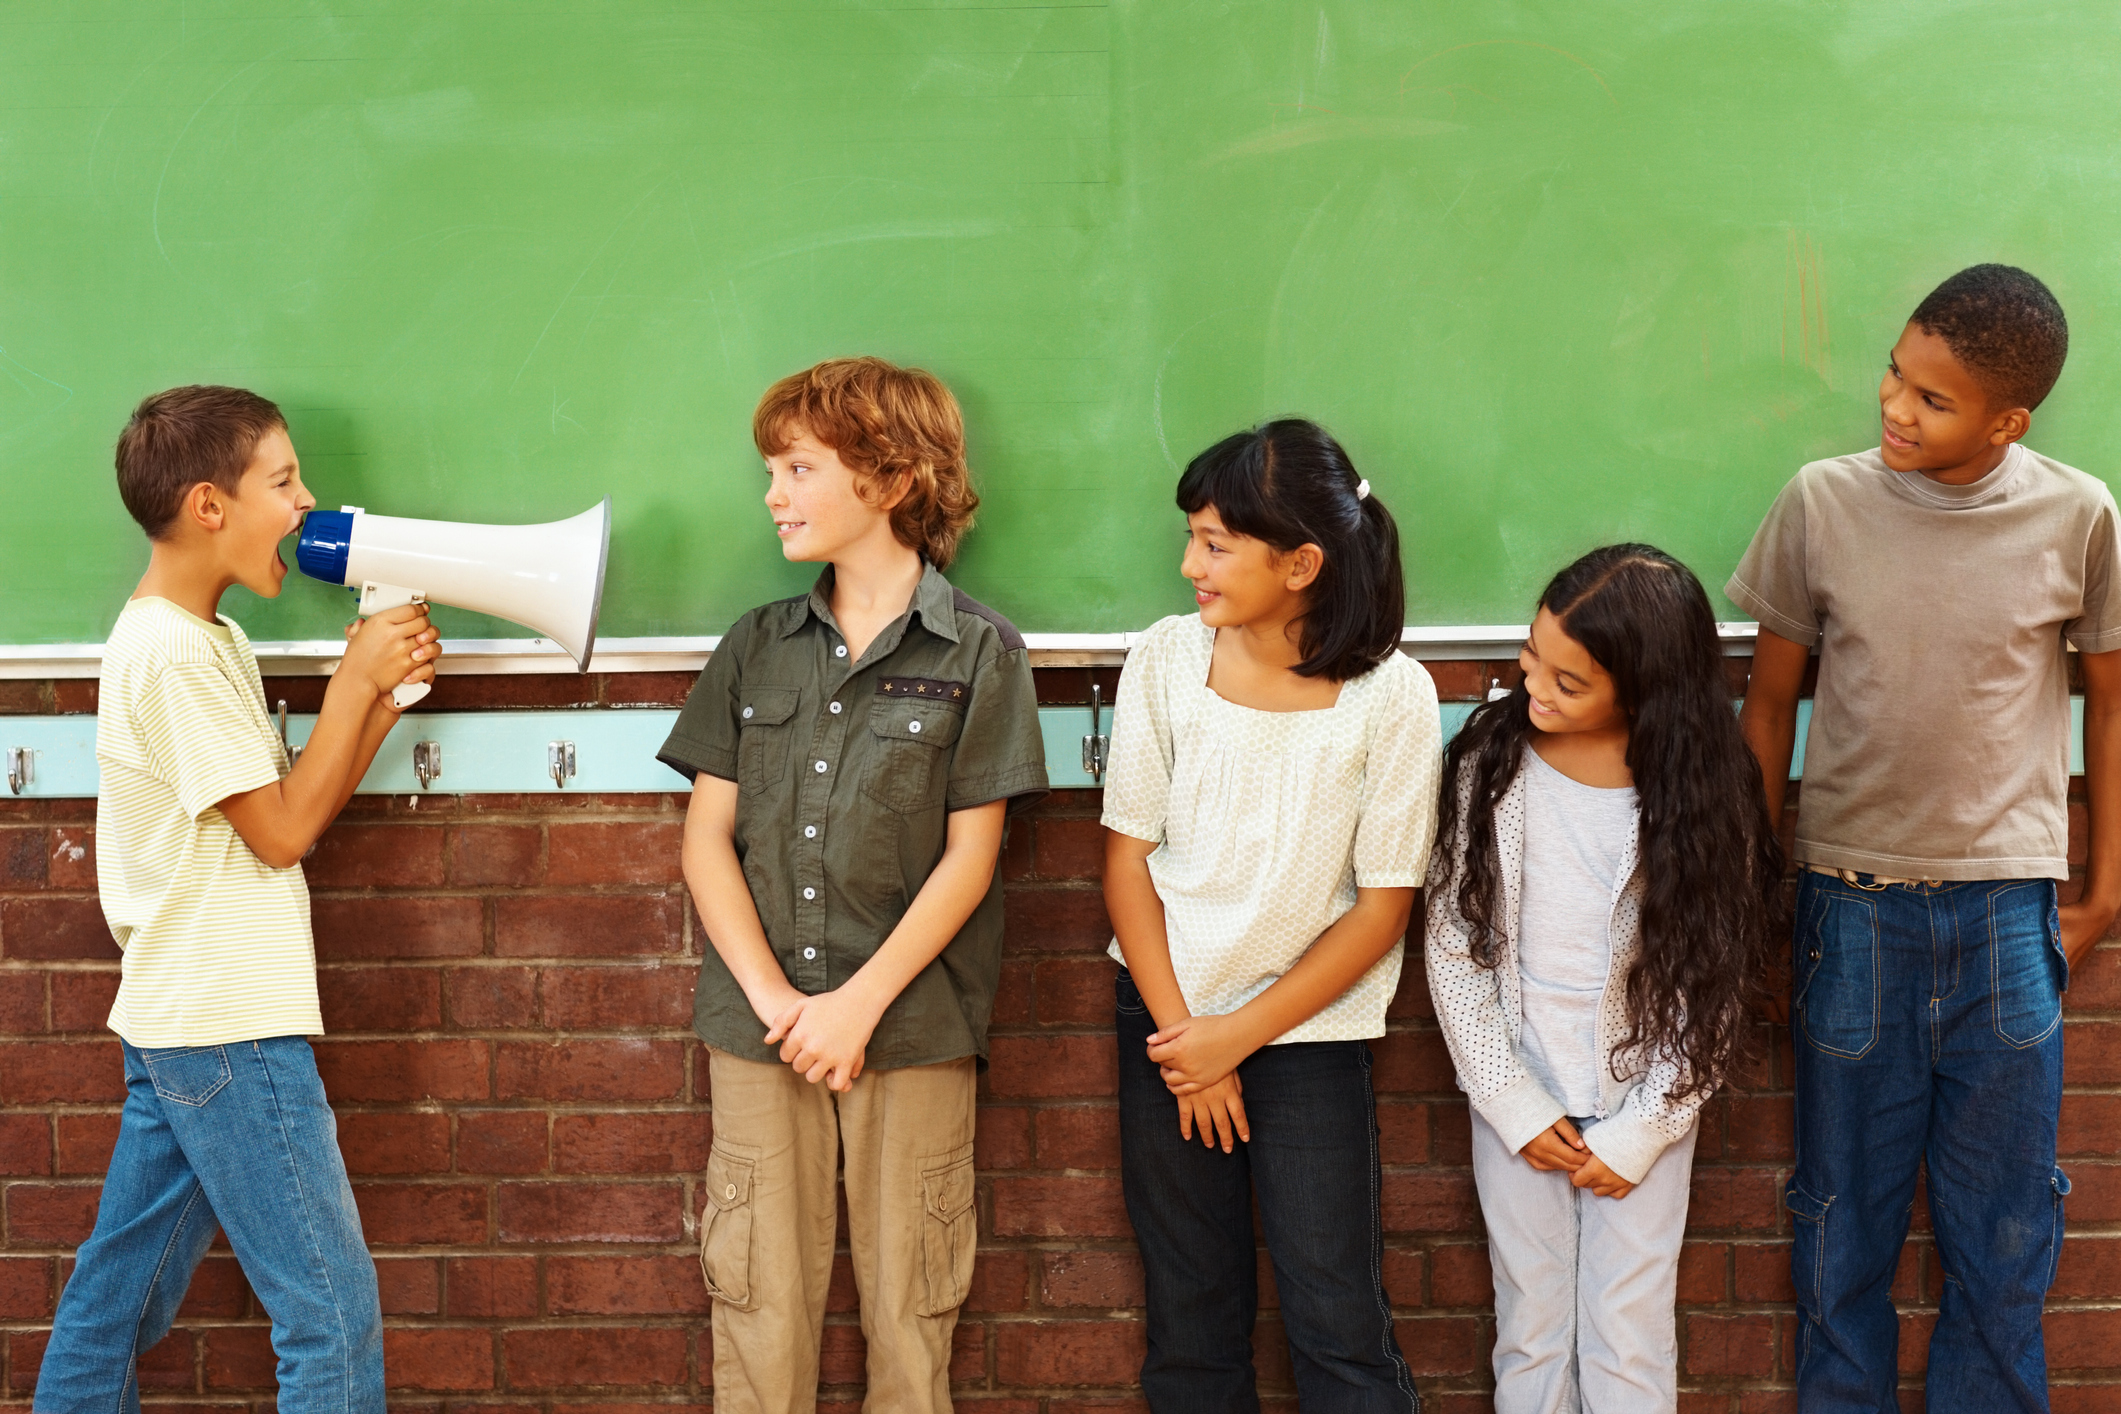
240 1137
1313 1164
1928 1030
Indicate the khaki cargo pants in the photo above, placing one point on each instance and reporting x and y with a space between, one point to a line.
766 1235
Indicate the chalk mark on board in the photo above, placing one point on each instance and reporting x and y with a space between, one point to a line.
1525 43
1156 399
155 212
590 265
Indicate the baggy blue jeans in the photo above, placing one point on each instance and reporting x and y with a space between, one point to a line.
1313 1164
237 1136
1928 1030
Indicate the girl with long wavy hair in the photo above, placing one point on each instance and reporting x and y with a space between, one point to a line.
1602 901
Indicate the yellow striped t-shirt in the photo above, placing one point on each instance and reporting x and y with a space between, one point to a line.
217 944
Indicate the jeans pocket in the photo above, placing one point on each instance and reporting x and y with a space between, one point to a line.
949 1230
2026 966
188 1075
725 1228
1839 1003
1808 1247
1126 997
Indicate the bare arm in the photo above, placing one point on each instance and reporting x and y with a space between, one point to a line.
1215 1112
716 878
2087 920
282 820
1137 916
1769 717
826 1035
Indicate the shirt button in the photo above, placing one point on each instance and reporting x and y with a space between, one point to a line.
809 832
835 709
747 714
914 726
729 1192
840 652
809 893
821 768
809 954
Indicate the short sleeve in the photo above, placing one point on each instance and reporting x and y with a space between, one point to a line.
703 740
1397 825
1000 753
1138 762
1770 582
2098 628
203 737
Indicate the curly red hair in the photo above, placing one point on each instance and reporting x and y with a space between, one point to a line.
892 426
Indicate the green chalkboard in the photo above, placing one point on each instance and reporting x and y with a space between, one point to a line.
1556 273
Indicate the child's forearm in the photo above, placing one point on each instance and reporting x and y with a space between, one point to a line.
2089 918
722 897
282 820
1342 954
953 889
1138 923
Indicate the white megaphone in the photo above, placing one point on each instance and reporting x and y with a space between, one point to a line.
549 577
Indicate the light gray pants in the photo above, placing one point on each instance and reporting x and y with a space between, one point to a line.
1584 1286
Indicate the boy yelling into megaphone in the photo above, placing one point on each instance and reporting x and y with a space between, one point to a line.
201 826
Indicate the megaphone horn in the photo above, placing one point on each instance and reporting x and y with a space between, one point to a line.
548 578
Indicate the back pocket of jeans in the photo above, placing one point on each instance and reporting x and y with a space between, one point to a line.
190 1075
725 1227
2026 966
1840 999
949 1230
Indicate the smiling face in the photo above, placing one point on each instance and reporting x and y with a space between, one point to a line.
1238 579
1570 692
1936 417
267 507
816 503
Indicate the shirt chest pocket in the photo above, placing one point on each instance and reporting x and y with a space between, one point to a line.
765 738
910 772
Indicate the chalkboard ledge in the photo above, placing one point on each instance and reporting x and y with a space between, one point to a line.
317 657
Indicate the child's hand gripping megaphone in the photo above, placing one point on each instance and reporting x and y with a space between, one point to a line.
548 578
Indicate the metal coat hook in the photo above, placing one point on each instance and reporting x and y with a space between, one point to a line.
427 762
294 753
21 768
1096 746
559 762
1496 691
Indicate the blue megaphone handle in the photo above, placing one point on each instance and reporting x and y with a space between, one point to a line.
327 536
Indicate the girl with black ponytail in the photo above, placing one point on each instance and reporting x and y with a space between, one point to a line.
1269 805
1601 907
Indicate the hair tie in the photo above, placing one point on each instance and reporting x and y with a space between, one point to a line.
1362 490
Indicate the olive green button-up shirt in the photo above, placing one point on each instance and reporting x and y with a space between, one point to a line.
846 773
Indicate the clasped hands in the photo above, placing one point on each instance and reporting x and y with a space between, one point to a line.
1560 1149
1198 1058
823 1036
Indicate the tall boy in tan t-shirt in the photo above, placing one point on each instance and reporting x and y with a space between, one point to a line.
1940 576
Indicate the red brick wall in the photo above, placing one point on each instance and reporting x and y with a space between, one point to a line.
525 1113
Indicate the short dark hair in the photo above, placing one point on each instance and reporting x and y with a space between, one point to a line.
2005 326
179 438
1290 484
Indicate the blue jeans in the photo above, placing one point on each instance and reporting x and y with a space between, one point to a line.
1928 1030
1313 1164
239 1136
